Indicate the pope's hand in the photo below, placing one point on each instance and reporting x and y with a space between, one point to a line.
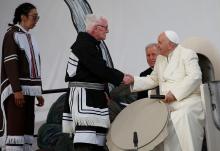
169 98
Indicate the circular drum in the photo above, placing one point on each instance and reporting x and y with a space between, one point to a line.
147 117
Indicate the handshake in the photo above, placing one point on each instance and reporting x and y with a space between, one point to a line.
128 79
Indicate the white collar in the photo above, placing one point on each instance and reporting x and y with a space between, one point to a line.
170 55
22 28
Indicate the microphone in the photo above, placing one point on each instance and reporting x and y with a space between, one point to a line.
135 140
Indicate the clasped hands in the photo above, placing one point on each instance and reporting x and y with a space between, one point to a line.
169 97
128 79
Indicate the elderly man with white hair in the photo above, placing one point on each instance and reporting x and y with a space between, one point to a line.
86 113
178 75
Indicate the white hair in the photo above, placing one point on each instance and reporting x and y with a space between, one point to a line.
150 45
92 20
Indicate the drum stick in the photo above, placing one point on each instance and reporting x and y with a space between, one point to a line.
157 96
135 140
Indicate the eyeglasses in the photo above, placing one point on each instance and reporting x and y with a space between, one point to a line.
106 27
35 17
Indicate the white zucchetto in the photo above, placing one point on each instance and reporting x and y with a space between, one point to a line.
172 36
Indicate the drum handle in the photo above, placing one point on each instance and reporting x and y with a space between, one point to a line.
157 96
135 141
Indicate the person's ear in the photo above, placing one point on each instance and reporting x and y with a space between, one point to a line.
170 45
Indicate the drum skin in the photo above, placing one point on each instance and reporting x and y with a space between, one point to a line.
147 117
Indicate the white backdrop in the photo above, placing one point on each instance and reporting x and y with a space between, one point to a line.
132 24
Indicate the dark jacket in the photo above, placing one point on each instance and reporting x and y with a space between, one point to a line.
15 71
144 94
91 66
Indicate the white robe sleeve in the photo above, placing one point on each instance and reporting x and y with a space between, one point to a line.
144 83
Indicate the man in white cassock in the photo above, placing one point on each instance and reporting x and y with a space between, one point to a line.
178 75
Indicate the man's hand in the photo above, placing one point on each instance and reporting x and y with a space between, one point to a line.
19 99
128 79
40 100
169 98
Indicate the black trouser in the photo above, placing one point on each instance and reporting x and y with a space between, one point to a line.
20 120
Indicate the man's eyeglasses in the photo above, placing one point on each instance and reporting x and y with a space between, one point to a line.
106 27
35 17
